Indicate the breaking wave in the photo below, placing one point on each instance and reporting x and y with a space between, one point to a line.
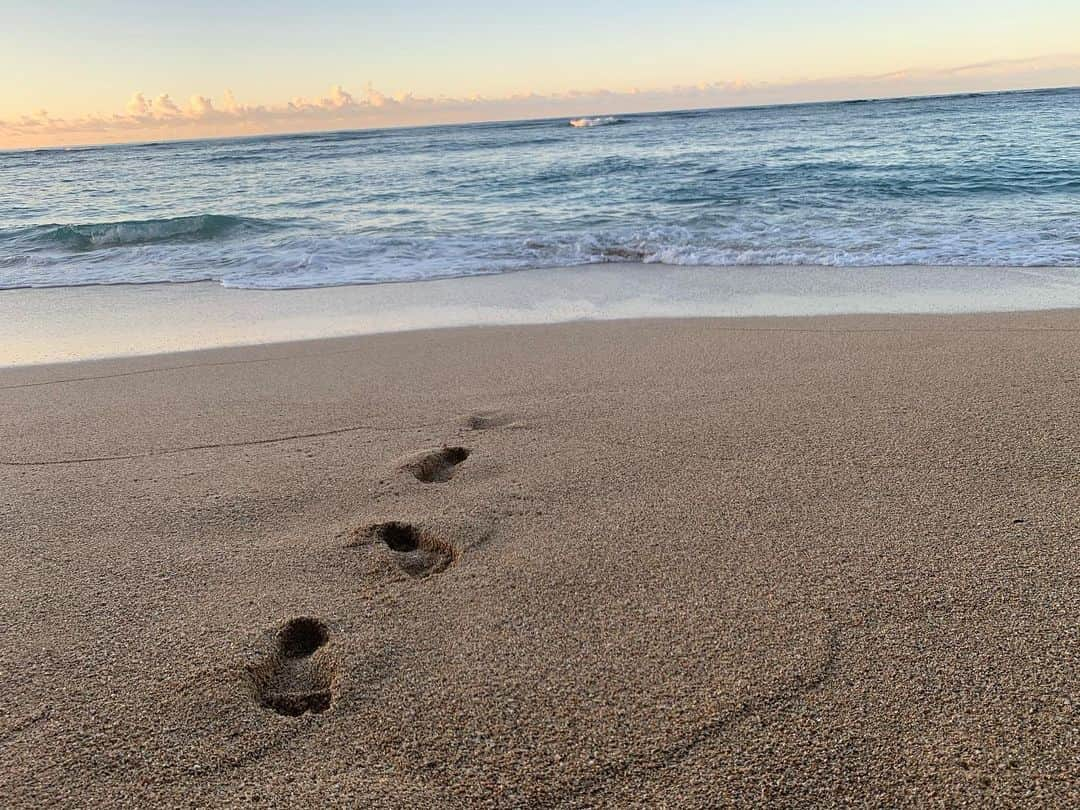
581 123
97 235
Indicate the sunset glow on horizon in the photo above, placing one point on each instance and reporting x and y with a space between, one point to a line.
106 71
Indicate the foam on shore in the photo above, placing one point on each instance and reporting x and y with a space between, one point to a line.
76 323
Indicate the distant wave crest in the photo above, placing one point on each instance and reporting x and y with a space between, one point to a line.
96 235
582 123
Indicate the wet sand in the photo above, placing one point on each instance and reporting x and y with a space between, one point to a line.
64 324
664 563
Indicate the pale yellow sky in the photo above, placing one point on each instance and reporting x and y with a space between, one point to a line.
70 71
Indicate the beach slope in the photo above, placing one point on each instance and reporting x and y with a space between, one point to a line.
681 563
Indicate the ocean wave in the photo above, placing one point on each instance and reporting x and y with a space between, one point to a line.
97 235
294 259
243 157
992 181
604 121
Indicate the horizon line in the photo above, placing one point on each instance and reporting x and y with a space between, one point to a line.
504 121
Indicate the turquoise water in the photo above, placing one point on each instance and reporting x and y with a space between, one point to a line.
989 179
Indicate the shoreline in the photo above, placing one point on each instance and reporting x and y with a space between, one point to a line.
67 324
31 375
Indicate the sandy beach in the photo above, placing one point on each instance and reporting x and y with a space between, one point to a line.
639 563
64 324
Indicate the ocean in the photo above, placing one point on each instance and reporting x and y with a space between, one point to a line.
976 180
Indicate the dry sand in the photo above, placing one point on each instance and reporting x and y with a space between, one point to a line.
676 564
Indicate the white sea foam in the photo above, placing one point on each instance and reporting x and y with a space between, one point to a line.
279 261
594 122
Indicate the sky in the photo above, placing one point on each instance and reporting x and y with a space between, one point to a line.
93 71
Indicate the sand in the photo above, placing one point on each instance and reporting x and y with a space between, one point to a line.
62 324
664 563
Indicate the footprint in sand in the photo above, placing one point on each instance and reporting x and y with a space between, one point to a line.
434 466
298 676
417 551
486 420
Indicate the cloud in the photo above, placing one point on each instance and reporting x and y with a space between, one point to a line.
138 106
200 107
165 107
159 117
